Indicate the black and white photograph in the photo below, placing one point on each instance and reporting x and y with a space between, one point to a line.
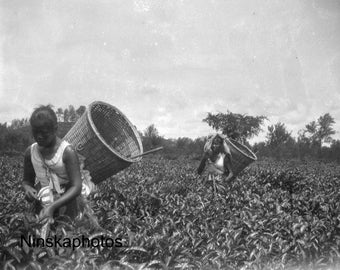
170 134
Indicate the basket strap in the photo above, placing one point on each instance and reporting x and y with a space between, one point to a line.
52 176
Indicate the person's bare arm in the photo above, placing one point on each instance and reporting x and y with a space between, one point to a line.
202 164
228 165
29 176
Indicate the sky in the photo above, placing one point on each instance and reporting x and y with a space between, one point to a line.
170 62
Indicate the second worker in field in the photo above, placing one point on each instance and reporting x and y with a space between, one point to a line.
216 159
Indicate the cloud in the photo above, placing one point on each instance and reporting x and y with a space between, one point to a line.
169 64
12 110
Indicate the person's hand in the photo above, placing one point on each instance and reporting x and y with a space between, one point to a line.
230 176
46 214
30 193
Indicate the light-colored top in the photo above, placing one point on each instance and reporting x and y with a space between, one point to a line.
54 174
216 167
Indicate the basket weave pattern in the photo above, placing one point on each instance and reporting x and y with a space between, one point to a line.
241 155
106 139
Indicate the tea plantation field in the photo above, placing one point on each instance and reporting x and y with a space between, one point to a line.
275 215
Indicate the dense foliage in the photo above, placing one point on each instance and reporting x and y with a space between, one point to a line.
234 125
16 140
279 143
275 215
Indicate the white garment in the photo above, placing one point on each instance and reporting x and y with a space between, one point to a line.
54 174
216 167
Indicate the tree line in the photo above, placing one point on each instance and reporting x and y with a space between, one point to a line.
314 141
16 136
67 115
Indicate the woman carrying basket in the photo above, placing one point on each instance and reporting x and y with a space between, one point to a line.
53 178
216 159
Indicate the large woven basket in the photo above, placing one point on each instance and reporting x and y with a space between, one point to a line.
241 156
106 139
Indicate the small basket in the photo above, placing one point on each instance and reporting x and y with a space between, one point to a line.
106 139
241 156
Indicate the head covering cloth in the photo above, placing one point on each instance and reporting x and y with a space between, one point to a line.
208 144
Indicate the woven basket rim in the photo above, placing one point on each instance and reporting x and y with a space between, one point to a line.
94 129
235 143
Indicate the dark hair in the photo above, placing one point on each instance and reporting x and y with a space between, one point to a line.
44 113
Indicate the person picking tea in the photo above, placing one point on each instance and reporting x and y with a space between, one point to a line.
52 176
216 159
